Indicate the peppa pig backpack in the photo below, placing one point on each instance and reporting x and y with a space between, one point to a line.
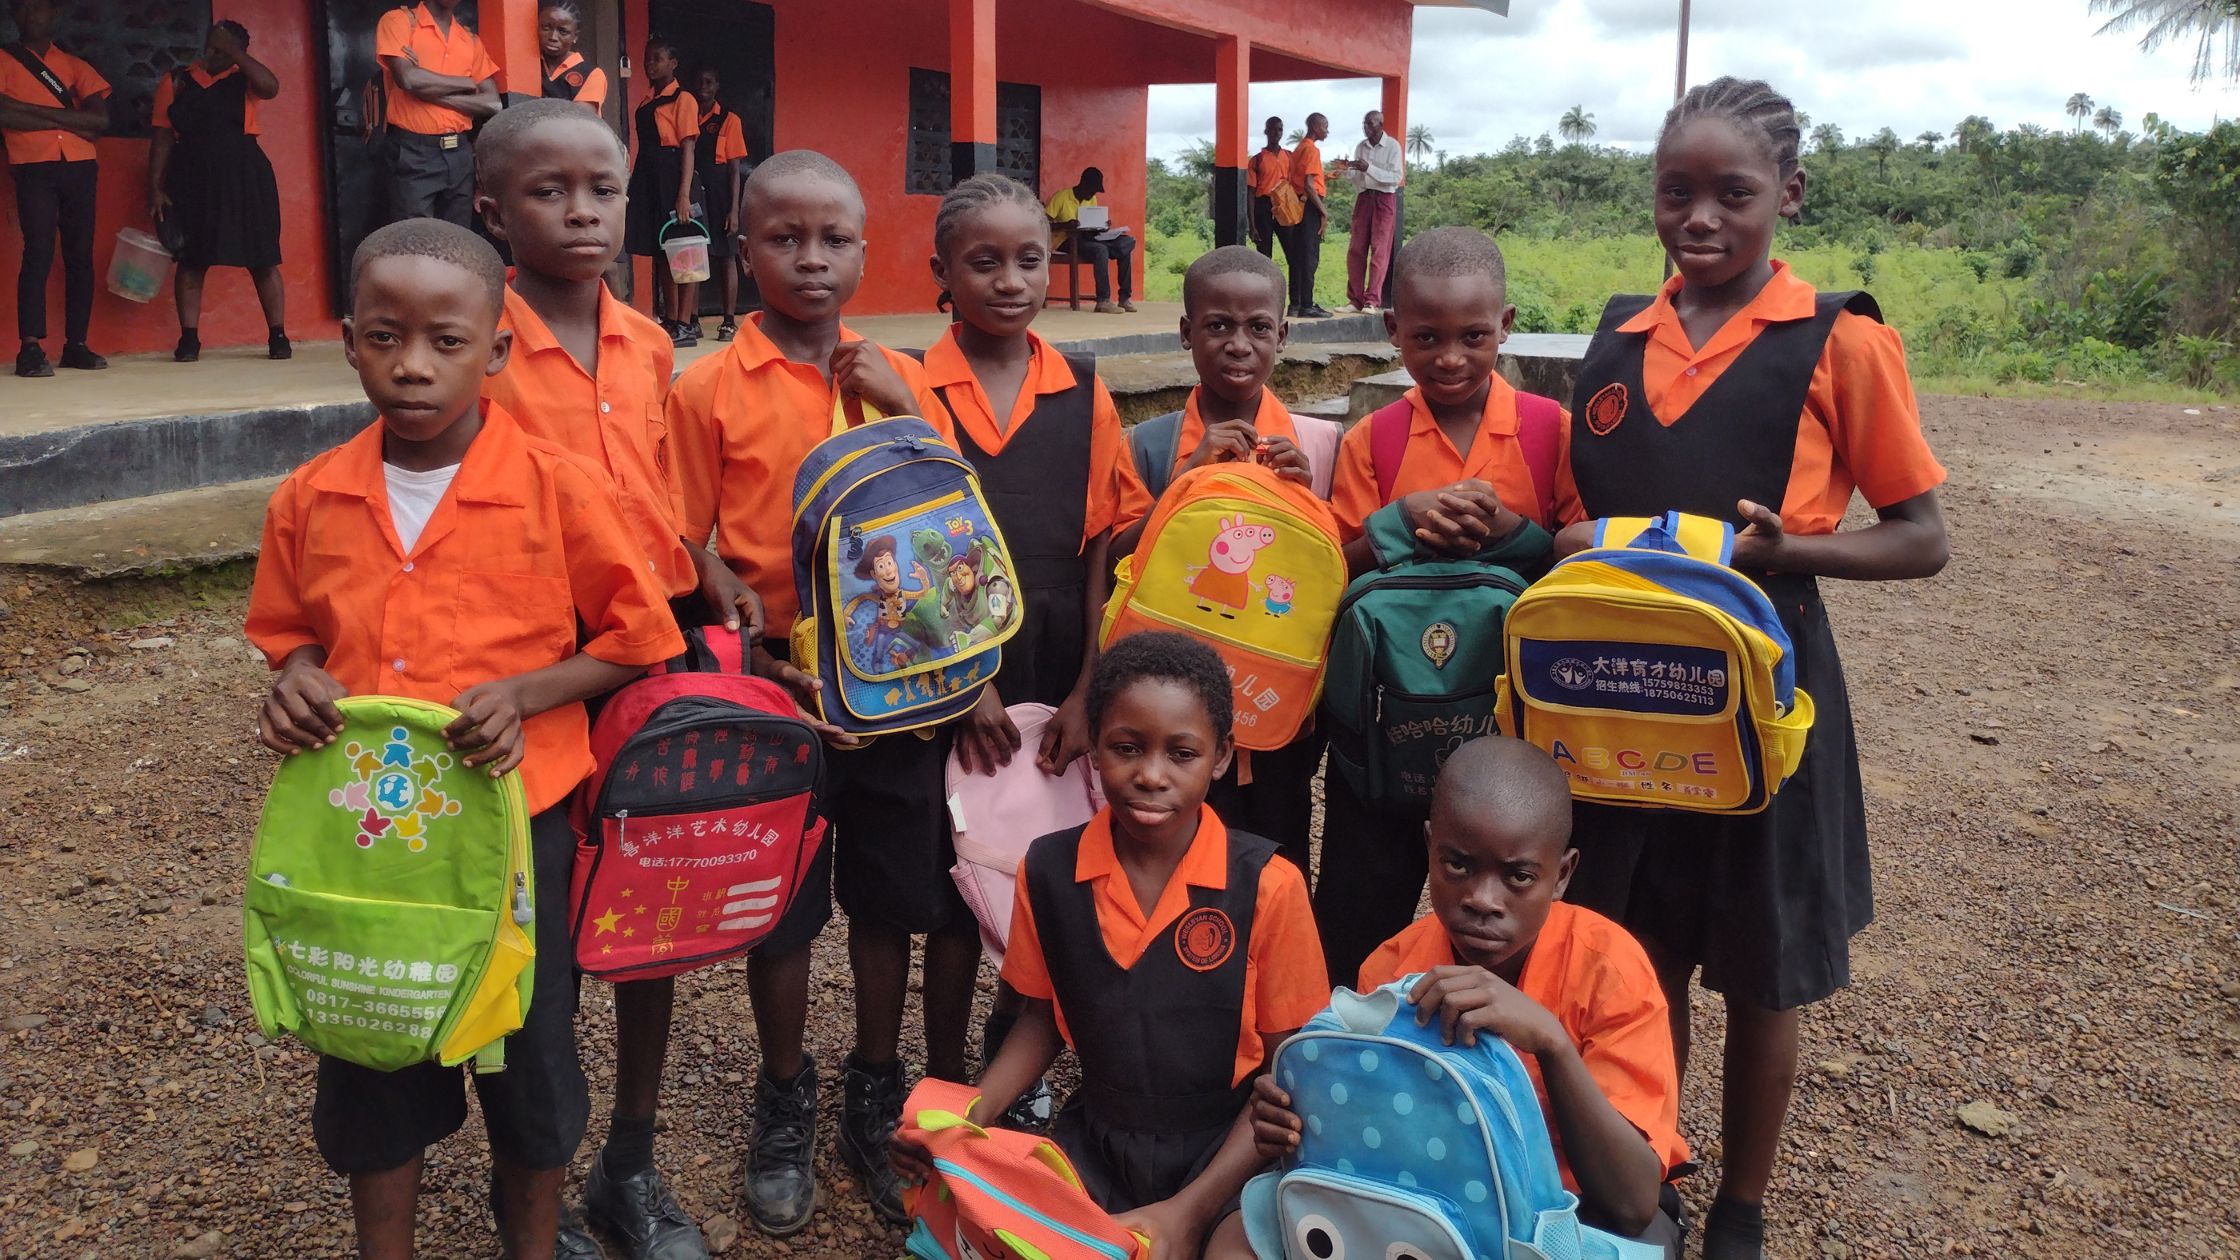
996 816
1250 563
1414 1149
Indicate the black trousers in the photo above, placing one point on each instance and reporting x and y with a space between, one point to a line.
1302 255
1374 862
428 181
55 198
1121 249
1264 229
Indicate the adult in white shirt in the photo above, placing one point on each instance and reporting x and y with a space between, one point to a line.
1376 170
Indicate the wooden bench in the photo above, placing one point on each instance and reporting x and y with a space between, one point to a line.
1062 256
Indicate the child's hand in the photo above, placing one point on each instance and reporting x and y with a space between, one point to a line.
159 201
1470 1000
1066 737
1173 1233
1230 439
1575 538
912 1161
1455 520
684 206
488 729
1283 456
728 597
987 738
299 713
1275 1126
861 373
1758 544
731 221
803 686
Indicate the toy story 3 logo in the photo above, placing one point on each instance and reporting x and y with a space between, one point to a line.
393 792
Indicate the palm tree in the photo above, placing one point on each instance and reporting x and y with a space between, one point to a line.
1804 123
1297 134
1883 145
2208 23
1419 141
2109 120
1827 138
1929 140
2079 108
1577 125
1972 131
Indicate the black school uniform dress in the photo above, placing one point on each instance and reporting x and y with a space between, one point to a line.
715 182
1767 903
1157 1041
654 177
221 184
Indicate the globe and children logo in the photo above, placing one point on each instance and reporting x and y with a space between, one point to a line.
1204 939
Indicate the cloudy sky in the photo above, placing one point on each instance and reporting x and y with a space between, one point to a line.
1912 65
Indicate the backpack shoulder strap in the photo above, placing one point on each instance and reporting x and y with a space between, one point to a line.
1856 301
1153 444
1540 435
40 71
1388 444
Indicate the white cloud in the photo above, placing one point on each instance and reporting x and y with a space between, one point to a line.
1911 65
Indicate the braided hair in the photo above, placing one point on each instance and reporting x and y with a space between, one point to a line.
969 197
1752 106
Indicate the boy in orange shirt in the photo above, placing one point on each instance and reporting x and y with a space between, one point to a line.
743 420
1569 990
443 554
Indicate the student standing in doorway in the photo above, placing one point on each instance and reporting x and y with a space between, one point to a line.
52 105
564 73
1376 170
440 82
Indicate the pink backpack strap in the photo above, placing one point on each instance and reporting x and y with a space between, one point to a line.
1388 444
1540 434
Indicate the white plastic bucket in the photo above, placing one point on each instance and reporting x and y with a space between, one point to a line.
687 251
137 269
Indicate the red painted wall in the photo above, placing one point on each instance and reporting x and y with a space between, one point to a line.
282 37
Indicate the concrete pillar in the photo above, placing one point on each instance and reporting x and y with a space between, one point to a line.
1232 138
1395 109
509 30
972 87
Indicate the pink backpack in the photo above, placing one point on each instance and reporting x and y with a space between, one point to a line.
996 816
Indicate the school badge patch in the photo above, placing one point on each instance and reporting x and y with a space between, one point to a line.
1438 643
574 78
1606 409
1204 939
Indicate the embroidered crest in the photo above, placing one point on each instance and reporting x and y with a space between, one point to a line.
1606 409
1438 643
1204 939
575 78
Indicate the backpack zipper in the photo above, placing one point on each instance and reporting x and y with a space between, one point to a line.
954 496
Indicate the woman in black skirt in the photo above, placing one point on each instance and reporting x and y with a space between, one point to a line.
211 186
663 183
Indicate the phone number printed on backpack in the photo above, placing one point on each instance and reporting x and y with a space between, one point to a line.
1633 677
333 984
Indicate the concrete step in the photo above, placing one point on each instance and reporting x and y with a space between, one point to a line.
144 537
1538 363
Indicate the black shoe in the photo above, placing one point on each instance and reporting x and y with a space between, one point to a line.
32 360
1734 1231
871 1110
189 348
276 347
1314 312
781 1179
726 330
1031 1113
641 1214
77 354
575 1241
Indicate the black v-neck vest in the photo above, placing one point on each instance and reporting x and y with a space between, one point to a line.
1038 485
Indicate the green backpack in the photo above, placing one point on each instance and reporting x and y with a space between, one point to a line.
1415 658
387 917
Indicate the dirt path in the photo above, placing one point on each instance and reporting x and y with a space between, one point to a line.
2052 745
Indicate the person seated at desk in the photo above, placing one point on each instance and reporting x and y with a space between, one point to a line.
1094 242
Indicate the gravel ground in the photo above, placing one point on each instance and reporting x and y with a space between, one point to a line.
2037 1056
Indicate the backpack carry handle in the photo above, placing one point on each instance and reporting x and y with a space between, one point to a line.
1679 533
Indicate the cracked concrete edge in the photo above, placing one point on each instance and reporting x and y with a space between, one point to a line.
133 459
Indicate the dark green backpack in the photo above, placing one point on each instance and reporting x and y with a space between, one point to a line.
1415 658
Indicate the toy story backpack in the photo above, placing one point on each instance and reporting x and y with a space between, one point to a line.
907 592
1414 1149
1655 674
699 820
1248 562
388 915
999 1194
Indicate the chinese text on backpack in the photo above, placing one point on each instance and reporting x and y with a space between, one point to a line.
1414 1149
998 1194
1249 563
1415 660
699 819
996 816
907 593
387 918
1654 674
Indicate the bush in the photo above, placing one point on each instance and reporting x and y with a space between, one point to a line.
2199 359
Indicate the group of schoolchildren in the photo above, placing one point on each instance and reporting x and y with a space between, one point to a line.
538 510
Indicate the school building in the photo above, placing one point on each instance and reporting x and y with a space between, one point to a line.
907 94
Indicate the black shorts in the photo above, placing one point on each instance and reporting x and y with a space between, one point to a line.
365 1121
890 822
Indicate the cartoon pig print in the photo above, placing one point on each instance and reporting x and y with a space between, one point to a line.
1281 591
1226 581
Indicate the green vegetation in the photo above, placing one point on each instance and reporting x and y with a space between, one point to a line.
2009 259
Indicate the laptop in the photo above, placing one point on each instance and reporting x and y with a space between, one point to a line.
1095 217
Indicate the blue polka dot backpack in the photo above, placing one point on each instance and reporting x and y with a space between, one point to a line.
1414 1149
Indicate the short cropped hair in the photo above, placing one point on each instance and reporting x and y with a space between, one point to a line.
1451 251
1167 657
504 133
792 164
1230 260
1497 777
434 238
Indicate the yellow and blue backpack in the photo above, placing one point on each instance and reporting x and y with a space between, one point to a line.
1655 674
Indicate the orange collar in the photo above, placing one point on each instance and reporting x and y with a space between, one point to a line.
1205 865
1272 417
532 335
1047 370
488 473
1785 297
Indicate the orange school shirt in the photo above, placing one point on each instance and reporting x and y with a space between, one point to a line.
591 84
616 419
740 423
526 542
1272 420
1268 170
167 91
1285 981
676 116
1861 427
52 144
413 32
731 143
1431 461
1594 978
1306 167
1114 489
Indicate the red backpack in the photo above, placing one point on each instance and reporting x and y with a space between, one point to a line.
699 820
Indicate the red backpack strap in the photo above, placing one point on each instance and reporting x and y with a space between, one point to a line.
1540 434
1388 444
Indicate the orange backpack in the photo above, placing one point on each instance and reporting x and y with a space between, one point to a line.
1000 1194
1250 563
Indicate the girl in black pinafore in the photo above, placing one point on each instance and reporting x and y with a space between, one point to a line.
211 186
664 183
1738 392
